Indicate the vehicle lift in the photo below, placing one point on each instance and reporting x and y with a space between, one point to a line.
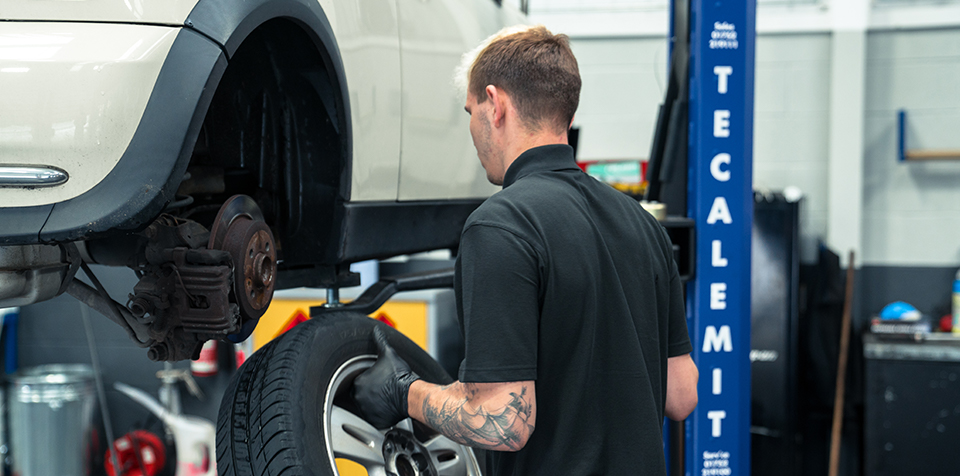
705 128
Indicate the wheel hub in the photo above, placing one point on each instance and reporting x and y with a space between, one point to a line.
405 456
240 230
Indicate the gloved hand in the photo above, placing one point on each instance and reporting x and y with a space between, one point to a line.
381 391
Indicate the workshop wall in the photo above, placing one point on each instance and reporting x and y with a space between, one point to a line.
624 80
911 213
791 125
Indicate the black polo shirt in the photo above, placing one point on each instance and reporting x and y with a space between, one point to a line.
563 280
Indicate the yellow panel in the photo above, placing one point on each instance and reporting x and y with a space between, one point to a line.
349 468
408 317
278 315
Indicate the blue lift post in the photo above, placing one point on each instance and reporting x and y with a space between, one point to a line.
720 200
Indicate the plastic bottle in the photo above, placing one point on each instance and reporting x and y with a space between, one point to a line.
956 304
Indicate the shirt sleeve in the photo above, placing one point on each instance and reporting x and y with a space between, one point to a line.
499 284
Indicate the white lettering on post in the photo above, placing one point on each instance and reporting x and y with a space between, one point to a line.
717 259
714 341
716 162
716 417
718 296
722 73
721 123
717 381
719 211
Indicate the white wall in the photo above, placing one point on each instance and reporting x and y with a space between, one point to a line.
911 212
791 125
624 80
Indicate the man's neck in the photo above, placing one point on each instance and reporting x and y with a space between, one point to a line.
528 141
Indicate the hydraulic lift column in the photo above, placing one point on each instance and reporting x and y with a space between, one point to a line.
720 201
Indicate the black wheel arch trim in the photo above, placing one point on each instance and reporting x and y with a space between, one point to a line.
22 224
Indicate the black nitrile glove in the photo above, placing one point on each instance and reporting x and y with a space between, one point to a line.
381 391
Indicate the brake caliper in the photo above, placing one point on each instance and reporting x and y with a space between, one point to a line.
197 285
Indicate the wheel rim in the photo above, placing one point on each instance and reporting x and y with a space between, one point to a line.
350 437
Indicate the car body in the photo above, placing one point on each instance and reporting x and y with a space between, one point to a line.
339 118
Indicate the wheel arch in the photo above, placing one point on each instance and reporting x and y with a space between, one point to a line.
150 170
230 24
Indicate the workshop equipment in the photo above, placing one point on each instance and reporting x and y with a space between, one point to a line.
52 407
911 411
194 437
774 336
900 310
139 453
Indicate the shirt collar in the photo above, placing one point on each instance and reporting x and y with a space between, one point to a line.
545 158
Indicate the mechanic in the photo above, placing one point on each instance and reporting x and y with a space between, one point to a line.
569 300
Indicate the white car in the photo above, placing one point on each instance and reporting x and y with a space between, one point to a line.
225 148
124 124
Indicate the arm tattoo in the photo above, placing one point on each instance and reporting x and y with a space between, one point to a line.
488 428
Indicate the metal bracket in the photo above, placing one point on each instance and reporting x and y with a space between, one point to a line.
74 259
905 155
377 294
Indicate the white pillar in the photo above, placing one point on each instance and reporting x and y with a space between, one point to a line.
845 164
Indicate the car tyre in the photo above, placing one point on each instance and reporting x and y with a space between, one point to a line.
288 409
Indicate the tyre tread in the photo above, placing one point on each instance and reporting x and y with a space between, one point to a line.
249 406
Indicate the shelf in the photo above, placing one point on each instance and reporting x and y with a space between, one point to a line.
918 155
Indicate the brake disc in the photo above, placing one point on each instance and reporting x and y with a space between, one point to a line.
240 229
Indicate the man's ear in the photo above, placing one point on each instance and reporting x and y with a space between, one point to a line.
499 100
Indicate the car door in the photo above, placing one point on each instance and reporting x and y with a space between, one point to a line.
437 157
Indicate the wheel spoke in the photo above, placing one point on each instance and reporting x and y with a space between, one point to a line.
405 424
354 439
448 456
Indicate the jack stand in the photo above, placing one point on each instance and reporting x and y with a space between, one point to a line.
333 298
377 294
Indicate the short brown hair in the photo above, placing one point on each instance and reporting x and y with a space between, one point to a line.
537 69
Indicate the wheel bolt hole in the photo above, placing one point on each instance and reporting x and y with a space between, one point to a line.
405 467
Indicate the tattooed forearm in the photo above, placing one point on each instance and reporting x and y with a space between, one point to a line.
498 425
